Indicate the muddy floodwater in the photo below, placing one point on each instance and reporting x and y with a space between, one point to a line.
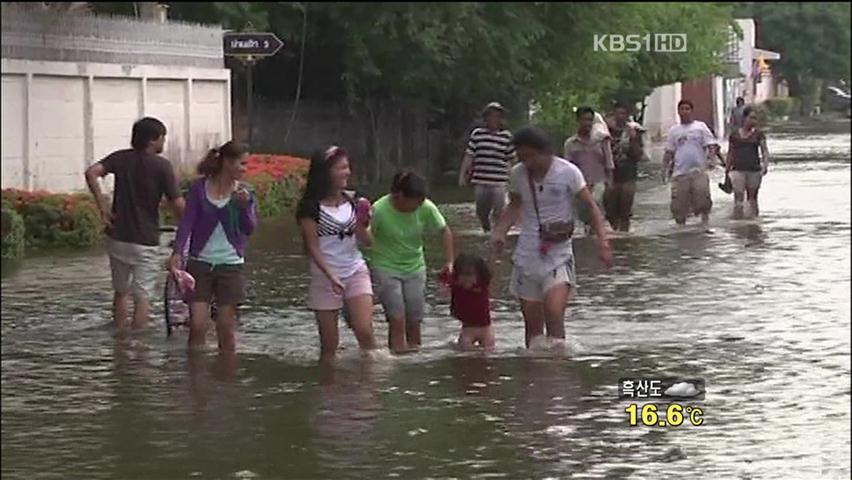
760 310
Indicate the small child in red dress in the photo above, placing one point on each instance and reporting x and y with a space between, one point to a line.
470 301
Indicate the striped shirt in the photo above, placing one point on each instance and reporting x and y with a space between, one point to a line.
337 242
492 153
329 226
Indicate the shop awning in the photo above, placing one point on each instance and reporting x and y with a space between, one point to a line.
766 54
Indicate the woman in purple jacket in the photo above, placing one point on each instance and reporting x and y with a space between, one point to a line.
220 215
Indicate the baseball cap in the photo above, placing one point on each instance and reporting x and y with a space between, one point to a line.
493 106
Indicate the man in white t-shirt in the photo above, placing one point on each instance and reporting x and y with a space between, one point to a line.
542 191
689 147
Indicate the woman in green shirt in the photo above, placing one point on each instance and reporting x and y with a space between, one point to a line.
396 255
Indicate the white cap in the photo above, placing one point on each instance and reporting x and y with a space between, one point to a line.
493 106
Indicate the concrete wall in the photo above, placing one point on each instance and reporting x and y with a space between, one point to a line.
36 34
661 110
700 92
60 117
765 89
719 107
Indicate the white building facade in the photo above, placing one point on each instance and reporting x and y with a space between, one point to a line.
71 90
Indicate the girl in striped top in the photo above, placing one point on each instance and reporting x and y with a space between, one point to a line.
332 227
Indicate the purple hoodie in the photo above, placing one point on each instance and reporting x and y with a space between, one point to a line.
201 218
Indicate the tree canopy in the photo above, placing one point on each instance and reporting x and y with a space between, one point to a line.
813 38
455 56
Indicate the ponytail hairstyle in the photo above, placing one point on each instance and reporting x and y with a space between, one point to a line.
214 161
409 184
318 185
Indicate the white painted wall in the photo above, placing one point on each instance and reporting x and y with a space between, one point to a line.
116 103
765 89
661 110
13 117
719 107
747 44
57 135
60 117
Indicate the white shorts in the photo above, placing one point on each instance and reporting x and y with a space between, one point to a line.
533 286
134 268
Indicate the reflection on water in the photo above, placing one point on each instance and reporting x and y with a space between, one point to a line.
760 309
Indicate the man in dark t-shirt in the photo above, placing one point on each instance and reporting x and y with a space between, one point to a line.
627 153
142 178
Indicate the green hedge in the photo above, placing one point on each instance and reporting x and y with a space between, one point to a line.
275 197
777 108
56 220
43 220
13 234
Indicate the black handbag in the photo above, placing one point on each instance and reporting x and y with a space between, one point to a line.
727 186
553 232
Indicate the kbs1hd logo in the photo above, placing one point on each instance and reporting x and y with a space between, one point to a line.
654 43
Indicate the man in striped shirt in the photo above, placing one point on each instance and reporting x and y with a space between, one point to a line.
486 163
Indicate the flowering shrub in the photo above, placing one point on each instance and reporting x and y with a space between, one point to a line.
41 219
278 167
55 220
278 181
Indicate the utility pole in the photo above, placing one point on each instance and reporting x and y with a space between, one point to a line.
248 63
249 47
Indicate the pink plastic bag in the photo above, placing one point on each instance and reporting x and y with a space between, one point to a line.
185 282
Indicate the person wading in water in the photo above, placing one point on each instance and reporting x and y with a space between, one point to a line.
486 163
543 190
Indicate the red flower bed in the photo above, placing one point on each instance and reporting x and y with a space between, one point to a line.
276 166
55 219
277 179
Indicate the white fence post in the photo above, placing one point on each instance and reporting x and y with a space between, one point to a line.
143 105
187 122
88 122
28 135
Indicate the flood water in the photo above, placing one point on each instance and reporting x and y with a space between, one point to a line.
760 310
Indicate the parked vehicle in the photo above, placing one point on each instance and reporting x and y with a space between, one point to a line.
837 98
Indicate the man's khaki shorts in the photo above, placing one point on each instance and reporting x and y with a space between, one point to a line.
691 195
134 268
534 286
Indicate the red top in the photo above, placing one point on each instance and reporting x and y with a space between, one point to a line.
471 306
